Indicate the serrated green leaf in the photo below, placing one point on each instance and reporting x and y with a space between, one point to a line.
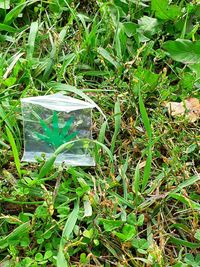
67 126
53 136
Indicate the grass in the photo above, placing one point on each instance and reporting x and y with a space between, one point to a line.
140 205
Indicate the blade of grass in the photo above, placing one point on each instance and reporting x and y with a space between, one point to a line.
53 55
147 125
73 89
190 203
105 54
102 132
16 57
4 27
3 144
69 226
16 233
14 13
121 199
61 261
14 150
136 183
186 183
64 146
123 171
147 169
71 222
31 39
145 117
68 59
5 119
46 168
181 242
117 115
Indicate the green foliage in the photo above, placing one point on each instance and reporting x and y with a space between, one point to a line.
165 11
184 51
140 205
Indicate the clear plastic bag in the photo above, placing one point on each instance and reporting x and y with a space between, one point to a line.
52 120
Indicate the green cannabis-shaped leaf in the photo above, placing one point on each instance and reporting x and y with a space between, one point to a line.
56 136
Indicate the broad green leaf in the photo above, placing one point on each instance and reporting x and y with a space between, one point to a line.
148 26
130 28
128 232
184 51
165 11
110 225
88 233
38 256
191 260
140 243
196 69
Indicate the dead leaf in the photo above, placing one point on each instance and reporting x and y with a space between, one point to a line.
189 107
142 164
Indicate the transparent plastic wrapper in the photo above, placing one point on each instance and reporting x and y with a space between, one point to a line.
52 120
